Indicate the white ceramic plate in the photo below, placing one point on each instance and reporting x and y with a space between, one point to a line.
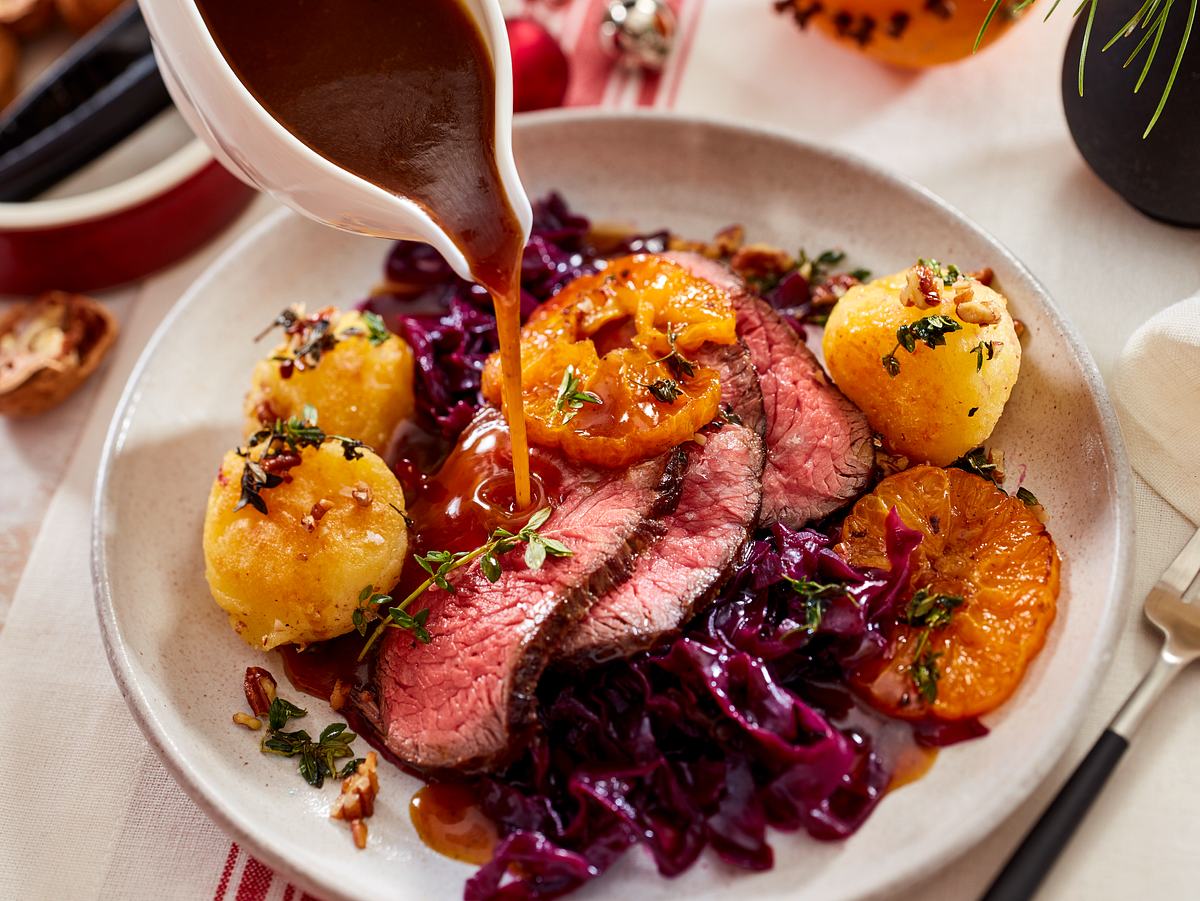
180 664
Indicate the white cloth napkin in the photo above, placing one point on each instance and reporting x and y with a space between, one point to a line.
1157 393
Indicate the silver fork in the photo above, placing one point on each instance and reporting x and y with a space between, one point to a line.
1179 623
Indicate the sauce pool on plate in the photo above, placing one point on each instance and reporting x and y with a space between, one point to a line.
401 94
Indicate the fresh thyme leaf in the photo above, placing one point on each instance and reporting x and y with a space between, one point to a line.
535 554
815 269
809 590
863 275
679 365
1027 497
411 623
979 463
281 711
947 272
317 758
535 522
555 548
490 567
930 331
570 399
931 611
924 670
981 349
666 390
350 767
255 480
377 332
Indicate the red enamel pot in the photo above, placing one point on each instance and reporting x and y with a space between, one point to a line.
120 231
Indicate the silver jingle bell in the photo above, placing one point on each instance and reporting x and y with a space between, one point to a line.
639 33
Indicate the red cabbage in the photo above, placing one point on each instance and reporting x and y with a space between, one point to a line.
711 737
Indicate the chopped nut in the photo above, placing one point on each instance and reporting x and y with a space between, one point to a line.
361 494
357 799
259 687
308 522
728 240
921 288
984 276
979 311
48 348
337 697
700 438
245 719
761 261
963 292
320 508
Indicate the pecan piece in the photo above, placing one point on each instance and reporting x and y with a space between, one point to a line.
357 799
259 686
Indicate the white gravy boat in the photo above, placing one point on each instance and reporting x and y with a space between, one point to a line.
264 154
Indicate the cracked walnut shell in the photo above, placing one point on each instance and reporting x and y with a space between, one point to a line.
48 348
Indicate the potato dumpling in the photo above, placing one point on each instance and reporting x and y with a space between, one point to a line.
295 573
360 378
935 403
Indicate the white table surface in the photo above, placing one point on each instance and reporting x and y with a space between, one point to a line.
988 136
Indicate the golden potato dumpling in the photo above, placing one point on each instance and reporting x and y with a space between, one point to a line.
362 386
295 573
935 403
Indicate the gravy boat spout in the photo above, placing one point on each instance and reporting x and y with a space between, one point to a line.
254 146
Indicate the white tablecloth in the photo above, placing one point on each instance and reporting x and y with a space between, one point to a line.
988 135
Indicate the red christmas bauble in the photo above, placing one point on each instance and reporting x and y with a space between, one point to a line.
540 68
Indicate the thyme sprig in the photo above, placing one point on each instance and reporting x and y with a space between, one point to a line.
439 565
930 330
284 439
929 612
1150 17
318 759
982 350
570 399
666 390
814 596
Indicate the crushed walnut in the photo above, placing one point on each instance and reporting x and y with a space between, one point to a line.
361 494
357 799
316 514
978 310
339 695
922 287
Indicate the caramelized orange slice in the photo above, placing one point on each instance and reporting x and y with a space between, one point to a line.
605 368
980 545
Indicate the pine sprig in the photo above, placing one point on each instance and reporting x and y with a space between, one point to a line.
1150 18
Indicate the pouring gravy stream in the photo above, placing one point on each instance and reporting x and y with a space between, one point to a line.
399 93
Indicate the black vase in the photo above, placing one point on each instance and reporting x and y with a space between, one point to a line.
1160 175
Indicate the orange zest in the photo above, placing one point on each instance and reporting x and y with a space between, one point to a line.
978 544
605 368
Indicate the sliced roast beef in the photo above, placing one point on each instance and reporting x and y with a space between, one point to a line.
739 382
819 450
459 701
716 515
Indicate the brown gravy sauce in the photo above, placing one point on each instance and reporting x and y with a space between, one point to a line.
400 93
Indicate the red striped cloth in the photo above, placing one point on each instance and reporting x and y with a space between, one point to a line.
595 81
